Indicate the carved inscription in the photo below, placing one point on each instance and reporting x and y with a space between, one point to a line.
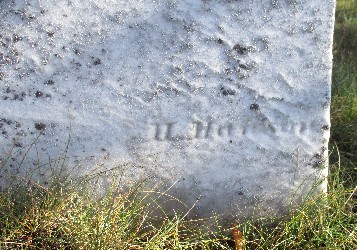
195 130
164 131
199 130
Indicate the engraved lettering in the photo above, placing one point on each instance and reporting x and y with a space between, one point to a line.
199 130
203 131
164 131
228 129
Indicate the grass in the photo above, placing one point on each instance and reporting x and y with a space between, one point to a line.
344 95
63 216
344 88
322 222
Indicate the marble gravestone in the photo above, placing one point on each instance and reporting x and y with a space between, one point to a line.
227 99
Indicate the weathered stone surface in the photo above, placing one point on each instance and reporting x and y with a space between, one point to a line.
228 98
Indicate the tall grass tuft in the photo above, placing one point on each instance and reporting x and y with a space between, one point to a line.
71 216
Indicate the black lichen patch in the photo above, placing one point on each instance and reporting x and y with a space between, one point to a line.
227 92
325 127
4 133
7 125
318 161
96 61
242 50
318 164
19 97
13 95
318 156
77 51
40 126
254 106
247 66
76 65
8 90
49 82
16 38
38 94
5 121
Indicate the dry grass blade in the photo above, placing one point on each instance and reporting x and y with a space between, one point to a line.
238 238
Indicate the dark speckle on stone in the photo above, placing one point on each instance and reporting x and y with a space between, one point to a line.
246 66
240 193
97 61
40 126
16 38
8 122
317 164
318 156
49 82
220 41
38 94
254 106
18 97
226 92
325 127
240 49
228 71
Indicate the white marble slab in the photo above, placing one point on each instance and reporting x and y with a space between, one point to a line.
229 99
